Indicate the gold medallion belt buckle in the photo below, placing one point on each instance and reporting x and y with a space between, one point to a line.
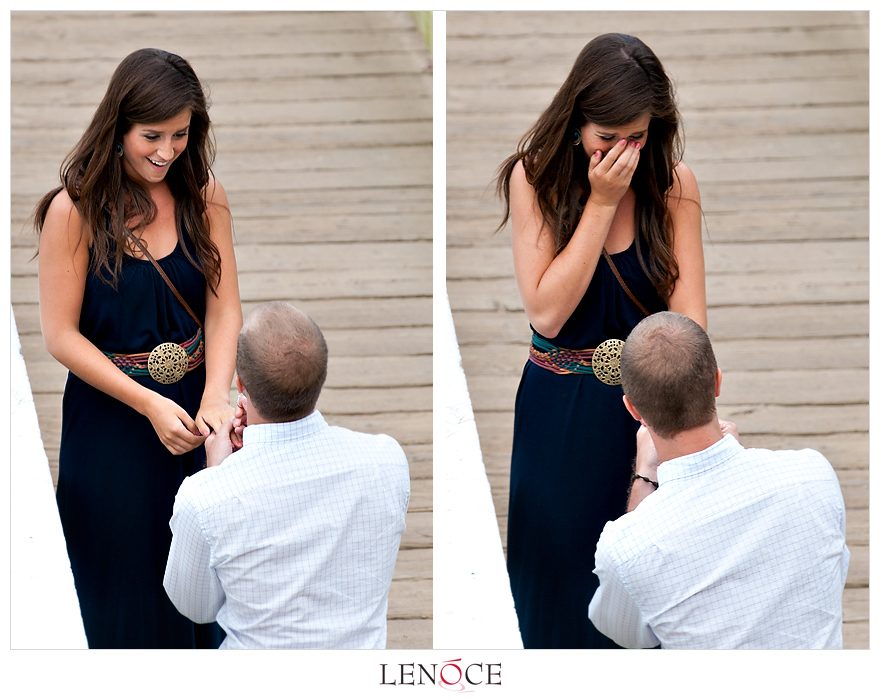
606 361
168 363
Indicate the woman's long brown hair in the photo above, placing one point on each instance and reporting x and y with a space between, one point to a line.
148 87
614 81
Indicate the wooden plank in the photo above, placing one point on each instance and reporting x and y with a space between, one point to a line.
689 76
337 318
857 576
409 599
410 634
413 564
363 284
38 25
755 419
846 451
476 25
851 256
842 391
808 321
293 257
706 124
419 526
413 430
501 358
855 605
81 90
828 387
794 287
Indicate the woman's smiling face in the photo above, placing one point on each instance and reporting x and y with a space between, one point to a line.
148 150
603 138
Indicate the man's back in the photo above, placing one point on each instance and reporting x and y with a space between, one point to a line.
301 528
736 549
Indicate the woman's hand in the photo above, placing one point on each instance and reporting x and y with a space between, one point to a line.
212 414
610 176
173 425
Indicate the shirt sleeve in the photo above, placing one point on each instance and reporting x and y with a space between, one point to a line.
190 581
612 609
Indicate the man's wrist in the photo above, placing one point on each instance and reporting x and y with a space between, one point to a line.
637 476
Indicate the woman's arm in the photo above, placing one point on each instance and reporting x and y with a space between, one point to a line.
689 296
63 265
551 287
222 318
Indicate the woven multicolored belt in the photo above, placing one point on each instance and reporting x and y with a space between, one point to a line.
603 362
166 363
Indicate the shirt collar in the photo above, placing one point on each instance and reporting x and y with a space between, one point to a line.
690 465
282 432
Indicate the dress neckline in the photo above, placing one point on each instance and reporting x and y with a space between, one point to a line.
164 257
625 250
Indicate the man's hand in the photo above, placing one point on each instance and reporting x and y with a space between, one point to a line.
647 459
729 428
646 465
218 445
239 421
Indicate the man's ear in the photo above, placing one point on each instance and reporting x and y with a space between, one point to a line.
632 410
717 382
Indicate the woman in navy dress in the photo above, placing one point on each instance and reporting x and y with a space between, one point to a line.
139 179
606 224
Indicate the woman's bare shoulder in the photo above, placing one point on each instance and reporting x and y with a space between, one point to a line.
62 205
215 193
62 215
519 179
684 184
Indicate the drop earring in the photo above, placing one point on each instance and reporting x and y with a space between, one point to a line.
577 138
119 150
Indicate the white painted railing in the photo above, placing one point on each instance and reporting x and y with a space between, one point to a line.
44 607
473 606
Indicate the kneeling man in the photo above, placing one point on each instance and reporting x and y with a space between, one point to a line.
723 547
290 541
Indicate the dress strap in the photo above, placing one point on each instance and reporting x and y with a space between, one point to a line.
622 283
149 257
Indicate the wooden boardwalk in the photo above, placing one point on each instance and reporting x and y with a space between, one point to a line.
323 124
775 108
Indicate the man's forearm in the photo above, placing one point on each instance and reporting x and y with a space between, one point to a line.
640 490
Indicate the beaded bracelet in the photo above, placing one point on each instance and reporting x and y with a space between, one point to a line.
643 478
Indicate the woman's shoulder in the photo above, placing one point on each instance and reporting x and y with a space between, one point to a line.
62 213
519 178
684 182
62 204
215 193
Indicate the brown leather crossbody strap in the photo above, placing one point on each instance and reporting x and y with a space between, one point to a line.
623 284
164 276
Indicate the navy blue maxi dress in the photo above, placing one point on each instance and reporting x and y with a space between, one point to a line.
116 481
573 448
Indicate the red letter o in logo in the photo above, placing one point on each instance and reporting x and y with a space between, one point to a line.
457 680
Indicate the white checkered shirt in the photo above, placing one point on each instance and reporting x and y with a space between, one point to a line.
292 540
737 548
